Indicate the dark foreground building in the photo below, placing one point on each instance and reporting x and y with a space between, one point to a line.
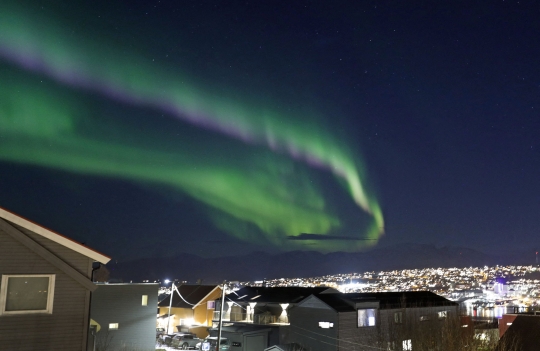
45 287
364 321
124 317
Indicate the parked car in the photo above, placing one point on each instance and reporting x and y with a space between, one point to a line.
225 343
165 339
184 341
159 332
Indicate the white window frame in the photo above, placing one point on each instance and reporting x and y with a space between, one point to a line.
4 288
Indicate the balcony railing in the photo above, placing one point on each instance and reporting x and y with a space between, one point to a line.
255 319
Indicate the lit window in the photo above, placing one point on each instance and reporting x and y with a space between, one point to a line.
210 305
424 318
21 294
398 317
113 326
407 345
326 325
442 314
145 300
366 317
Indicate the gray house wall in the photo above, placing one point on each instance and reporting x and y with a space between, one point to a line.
304 328
346 335
66 328
122 304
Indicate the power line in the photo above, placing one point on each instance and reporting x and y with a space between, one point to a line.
337 339
330 337
182 296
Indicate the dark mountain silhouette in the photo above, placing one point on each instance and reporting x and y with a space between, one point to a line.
261 265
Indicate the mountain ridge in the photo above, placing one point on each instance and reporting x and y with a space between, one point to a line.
302 264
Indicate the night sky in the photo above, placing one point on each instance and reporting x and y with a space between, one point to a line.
146 128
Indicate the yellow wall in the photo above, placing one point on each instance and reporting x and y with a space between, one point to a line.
176 315
200 314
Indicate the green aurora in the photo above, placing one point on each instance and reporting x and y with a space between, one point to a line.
256 177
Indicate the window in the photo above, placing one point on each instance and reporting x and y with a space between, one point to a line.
113 326
144 300
366 317
442 314
407 345
424 318
398 317
210 305
326 325
27 294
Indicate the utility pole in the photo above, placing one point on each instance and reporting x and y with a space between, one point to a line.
170 307
220 316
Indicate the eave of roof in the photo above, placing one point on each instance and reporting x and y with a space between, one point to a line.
51 235
204 298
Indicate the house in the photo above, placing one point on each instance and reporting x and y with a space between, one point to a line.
519 332
262 313
124 317
361 321
263 305
192 308
45 287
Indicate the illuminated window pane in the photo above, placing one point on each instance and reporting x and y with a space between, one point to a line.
442 314
407 345
326 325
145 300
366 317
113 326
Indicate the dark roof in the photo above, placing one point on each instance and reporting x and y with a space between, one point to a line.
407 299
275 294
193 294
337 301
524 331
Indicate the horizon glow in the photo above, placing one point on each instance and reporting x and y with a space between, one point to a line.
30 117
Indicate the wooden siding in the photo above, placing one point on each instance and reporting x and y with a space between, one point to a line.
350 336
357 338
64 329
304 328
122 304
73 258
204 316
